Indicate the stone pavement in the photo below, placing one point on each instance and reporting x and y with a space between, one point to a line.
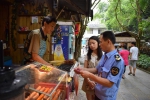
131 88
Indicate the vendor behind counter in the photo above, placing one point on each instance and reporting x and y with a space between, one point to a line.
35 43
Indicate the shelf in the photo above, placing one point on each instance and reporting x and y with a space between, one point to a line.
24 32
28 15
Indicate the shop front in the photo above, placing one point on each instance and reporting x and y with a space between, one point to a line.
37 81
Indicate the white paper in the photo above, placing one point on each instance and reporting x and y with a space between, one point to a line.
34 19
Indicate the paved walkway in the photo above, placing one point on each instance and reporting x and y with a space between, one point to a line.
131 88
135 87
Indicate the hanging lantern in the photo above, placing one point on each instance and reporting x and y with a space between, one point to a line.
77 28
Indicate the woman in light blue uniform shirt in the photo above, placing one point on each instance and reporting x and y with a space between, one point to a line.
109 69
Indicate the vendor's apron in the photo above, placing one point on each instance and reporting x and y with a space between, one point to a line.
42 49
41 52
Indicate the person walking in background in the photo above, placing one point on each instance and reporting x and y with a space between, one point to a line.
92 58
83 49
109 69
133 58
124 54
86 47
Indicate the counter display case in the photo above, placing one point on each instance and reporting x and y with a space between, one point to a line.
36 81
46 82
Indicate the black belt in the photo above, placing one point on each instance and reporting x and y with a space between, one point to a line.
96 98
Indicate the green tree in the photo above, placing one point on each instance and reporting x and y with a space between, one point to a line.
127 15
78 38
135 28
100 14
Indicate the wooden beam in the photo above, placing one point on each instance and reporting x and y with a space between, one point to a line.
93 2
62 10
94 5
72 12
6 2
75 6
86 6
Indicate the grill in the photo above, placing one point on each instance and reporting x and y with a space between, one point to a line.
65 67
68 68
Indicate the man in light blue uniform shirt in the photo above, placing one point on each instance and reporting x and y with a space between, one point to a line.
109 70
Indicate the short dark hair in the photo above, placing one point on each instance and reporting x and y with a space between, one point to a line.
48 19
109 35
133 43
124 46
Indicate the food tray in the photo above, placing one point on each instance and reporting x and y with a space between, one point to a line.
49 89
47 77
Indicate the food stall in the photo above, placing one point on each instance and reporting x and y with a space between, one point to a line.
38 82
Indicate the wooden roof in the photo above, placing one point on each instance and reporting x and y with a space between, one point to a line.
122 34
125 39
79 6
71 9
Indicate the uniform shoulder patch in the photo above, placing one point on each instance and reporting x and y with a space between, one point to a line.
117 57
114 71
